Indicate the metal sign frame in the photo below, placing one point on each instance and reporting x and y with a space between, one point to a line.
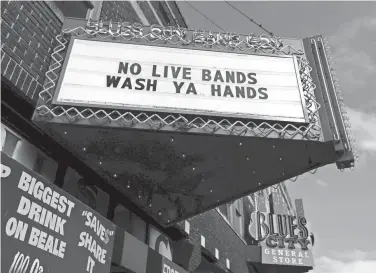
252 44
333 114
171 110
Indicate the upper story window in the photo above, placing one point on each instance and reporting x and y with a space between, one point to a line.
130 222
21 150
9 141
164 14
233 213
238 217
39 162
74 9
224 210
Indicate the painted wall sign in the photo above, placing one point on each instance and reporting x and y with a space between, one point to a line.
44 229
160 243
284 239
178 80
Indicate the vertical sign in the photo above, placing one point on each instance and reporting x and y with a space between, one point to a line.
299 207
44 229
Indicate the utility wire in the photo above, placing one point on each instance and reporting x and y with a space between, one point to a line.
204 16
250 19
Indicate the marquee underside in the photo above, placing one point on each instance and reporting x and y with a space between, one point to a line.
173 176
173 163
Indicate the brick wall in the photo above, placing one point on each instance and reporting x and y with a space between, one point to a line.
218 234
28 31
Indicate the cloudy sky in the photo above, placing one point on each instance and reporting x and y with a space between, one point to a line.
339 205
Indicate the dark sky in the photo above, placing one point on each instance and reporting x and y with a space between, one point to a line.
340 206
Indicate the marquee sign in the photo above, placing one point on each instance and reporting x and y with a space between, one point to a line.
117 86
284 238
109 74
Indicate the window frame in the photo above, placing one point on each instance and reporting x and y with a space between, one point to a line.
227 217
94 12
38 164
164 13
18 136
172 14
40 153
229 221
238 216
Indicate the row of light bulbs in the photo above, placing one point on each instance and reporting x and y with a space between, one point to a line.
342 105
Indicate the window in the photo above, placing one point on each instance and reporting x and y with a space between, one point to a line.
271 205
42 164
38 164
75 9
130 222
27 154
122 217
138 228
234 216
88 193
9 141
224 210
237 218
164 13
